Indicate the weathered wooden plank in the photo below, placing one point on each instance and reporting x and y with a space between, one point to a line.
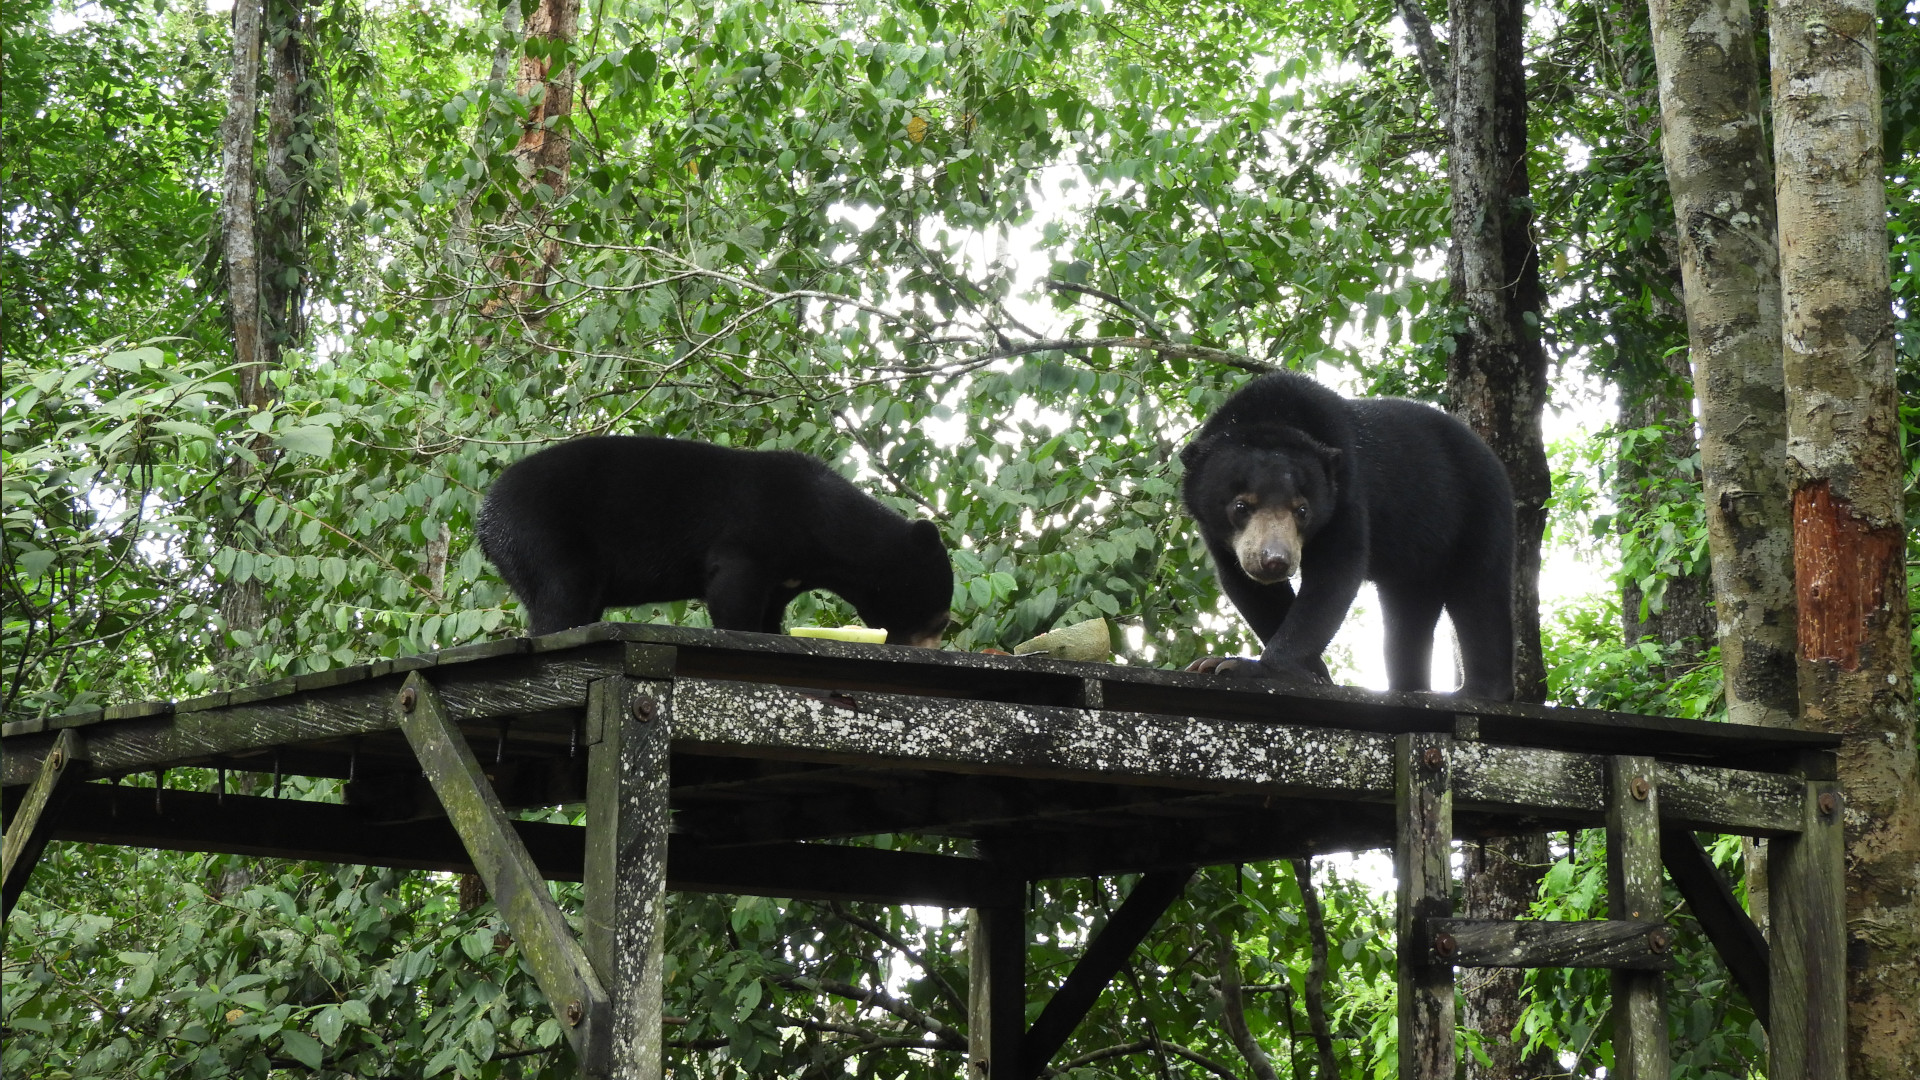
1807 890
1639 944
1422 859
15 728
1136 689
32 822
559 964
630 728
329 832
503 687
1633 892
1560 784
1741 945
1026 740
1729 800
1528 779
482 650
1106 954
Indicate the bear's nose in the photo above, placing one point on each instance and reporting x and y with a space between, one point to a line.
1274 564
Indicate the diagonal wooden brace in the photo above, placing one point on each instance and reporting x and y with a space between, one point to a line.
513 880
32 823
1106 954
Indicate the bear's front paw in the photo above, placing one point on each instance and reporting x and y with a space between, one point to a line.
1225 665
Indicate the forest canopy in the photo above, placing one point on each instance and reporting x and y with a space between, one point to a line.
994 260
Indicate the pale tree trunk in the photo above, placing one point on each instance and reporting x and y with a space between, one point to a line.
236 201
241 602
1722 181
1721 176
1845 470
1497 380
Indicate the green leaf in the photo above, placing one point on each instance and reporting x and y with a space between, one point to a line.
304 1048
34 564
314 439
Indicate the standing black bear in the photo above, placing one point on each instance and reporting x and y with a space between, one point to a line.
614 520
1290 476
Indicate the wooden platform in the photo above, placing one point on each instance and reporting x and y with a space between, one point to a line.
767 750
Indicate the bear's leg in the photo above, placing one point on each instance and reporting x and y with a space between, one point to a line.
738 596
561 605
1410 614
1484 621
774 620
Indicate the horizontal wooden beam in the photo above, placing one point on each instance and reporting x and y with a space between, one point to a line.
327 832
1635 944
1041 742
509 685
1033 741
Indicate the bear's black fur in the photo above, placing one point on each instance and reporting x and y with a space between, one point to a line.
1290 476
614 520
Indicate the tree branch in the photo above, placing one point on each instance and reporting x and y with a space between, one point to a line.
877 930
1164 348
1141 1047
1316 971
878 999
1056 285
1234 1009
1433 64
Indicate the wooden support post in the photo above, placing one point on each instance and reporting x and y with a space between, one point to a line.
32 823
997 991
1106 954
1422 860
626 865
1633 892
559 964
1739 942
1809 898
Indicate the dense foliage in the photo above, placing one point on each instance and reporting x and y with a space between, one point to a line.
818 227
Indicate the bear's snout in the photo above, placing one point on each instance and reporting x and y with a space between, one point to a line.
1268 546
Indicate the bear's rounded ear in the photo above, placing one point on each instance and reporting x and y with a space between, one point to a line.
1191 453
925 533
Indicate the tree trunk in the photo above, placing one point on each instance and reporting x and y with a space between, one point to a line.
1845 472
1497 376
545 147
236 202
292 157
1722 181
242 603
1497 380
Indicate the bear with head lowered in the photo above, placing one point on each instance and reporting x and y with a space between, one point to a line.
619 520
1289 478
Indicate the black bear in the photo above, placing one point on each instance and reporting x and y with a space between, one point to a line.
616 520
1289 476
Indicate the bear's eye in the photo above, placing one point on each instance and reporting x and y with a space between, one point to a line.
1239 509
1301 511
